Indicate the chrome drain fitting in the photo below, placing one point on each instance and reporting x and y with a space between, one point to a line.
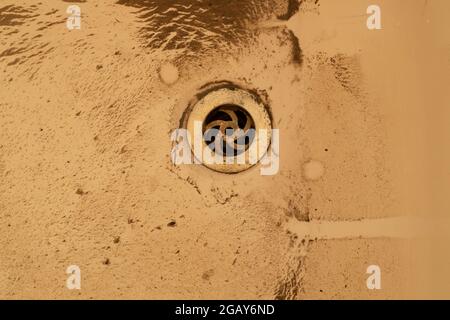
234 125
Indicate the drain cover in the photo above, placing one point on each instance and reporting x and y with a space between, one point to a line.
235 127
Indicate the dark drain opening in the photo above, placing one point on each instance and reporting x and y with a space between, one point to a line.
228 130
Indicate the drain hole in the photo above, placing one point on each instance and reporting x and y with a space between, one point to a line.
235 126
229 130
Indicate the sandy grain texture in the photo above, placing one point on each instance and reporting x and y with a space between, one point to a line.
86 117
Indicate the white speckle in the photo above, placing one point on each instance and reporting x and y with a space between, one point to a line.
313 170
168 73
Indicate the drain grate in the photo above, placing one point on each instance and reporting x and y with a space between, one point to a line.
229 129
233 121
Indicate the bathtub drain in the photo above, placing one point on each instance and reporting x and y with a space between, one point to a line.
233 120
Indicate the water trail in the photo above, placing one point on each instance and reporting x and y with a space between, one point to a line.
396 227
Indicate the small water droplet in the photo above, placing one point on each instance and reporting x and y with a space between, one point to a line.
313 170
169 73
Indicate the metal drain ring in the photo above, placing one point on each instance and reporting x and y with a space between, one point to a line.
230 98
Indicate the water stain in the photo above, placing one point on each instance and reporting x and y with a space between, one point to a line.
297 54
313 170
293 7
347 70
12 15
290 283
169 73
195 26
23 30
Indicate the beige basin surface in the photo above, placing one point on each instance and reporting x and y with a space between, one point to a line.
86 178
